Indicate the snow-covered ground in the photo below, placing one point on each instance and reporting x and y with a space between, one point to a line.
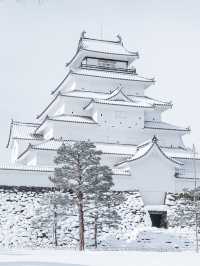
96 258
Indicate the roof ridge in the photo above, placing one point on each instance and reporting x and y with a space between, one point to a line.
102 40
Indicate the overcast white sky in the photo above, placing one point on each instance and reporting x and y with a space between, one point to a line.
36 40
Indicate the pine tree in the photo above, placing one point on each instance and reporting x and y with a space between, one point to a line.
51 208
104 216
79 171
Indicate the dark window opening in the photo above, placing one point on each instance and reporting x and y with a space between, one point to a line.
158 219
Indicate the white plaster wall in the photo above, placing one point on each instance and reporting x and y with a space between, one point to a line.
14 151
152 115
24 178
120 116
114 133
153 175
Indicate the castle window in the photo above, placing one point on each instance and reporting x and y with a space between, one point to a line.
106 63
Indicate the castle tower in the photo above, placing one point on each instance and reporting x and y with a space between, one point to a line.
103 99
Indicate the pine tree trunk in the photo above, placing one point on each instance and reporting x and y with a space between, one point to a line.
81 227
55 227
95 232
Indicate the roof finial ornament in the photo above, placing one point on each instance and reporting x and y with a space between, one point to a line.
81 37
154 139
119 38
83 34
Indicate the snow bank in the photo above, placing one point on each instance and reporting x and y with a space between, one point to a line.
97 258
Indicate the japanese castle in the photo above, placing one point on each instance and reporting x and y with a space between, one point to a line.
103 99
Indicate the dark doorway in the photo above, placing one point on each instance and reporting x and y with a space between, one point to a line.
158 219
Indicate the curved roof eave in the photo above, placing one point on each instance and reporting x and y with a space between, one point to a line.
25 151
10 133
60 84
154 142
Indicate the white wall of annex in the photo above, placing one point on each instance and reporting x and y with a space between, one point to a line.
24 178
153 175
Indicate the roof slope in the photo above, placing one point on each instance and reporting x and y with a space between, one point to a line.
21 130
164 126
111 75
105 46
50 169
138 100
145 148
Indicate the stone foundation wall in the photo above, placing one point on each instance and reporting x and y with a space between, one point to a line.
26 222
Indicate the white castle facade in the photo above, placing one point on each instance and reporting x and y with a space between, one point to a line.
103 99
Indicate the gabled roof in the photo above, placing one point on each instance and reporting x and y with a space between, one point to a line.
119 103
22 130
145 148
118 95
101 46
122 150
164 126
139 100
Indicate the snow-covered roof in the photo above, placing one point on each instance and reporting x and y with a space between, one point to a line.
177 153
21 130
67 118
100 46
127 151
111 75
105 46
150 100
143 100
73 118
138 100
107 148
50 169
145 148
121 103
107 75
164 126
29 168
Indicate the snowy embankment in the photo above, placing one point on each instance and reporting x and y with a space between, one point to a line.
96 258
18 212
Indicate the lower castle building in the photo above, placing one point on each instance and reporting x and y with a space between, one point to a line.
103 99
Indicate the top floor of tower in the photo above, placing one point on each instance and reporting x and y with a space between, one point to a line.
103 54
